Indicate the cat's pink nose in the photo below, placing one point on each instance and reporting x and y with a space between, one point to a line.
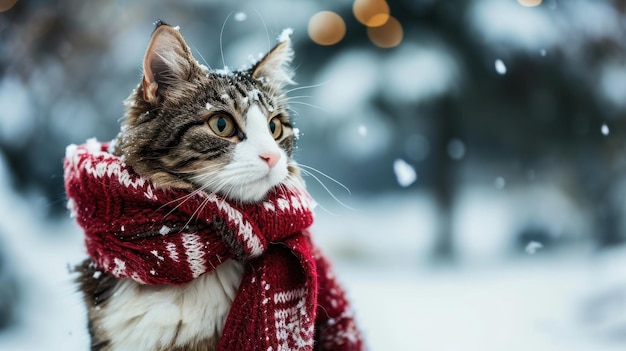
271 158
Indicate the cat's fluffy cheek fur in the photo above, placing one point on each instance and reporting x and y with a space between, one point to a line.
254 182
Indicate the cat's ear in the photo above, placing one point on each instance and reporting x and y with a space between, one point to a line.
274 69
167 61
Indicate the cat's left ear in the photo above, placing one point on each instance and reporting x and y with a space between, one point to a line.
167 62
274 69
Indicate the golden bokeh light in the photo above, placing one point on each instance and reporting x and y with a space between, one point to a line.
6 5
372 13
388 35
326 28
529 3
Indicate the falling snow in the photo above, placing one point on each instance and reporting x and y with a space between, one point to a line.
500 67
499 183
546 314
605 129
456 149
532 247
405 173
241 16
362 130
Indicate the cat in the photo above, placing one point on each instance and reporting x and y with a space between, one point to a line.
188 127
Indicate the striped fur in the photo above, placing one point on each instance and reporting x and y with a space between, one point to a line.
168 140
165 138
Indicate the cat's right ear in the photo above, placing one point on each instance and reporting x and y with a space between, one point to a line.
166 62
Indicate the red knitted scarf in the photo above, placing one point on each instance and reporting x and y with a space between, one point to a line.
288 298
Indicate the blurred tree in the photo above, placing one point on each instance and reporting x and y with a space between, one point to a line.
51 54
8 292
542 117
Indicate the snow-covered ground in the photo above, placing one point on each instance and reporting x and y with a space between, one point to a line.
570 300
491 299
515 306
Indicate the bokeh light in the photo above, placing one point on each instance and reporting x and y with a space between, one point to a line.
530 3
388 35
6 5
326 28
372 13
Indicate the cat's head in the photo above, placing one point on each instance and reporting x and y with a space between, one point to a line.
190 127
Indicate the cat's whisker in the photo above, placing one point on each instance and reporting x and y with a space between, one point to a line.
219 187
222 38
181 200
269 43
186 225
231 191
293 181
203 59
292 98
306 87
204 173
310 105
325 176
332 195
196 212
223 188
212 186
323 208
204 202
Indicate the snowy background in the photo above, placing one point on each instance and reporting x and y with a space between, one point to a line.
483 148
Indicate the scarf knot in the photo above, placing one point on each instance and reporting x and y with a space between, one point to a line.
155 236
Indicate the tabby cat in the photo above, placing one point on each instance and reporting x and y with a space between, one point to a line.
188 127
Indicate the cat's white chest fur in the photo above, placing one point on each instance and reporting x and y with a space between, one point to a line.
139 317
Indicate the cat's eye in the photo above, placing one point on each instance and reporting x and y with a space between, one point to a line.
223 125
276 127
